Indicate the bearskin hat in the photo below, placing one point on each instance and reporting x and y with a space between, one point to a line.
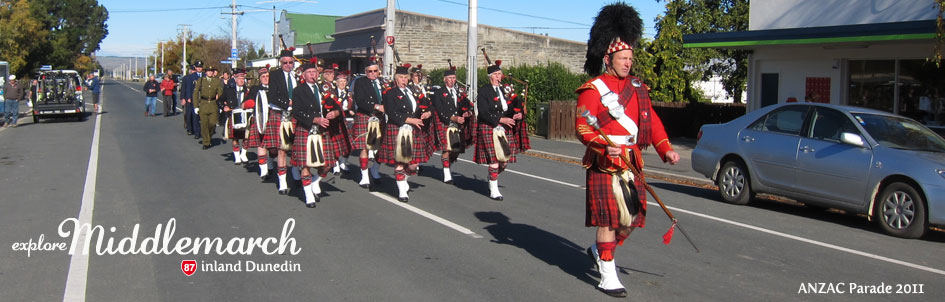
616 27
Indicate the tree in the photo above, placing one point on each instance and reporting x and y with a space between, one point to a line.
76 28
939 33
20 34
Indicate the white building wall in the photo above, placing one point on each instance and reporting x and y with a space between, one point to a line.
777 14
795 64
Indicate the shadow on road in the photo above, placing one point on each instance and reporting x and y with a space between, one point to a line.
550 248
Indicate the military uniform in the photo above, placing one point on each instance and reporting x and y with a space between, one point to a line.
206 92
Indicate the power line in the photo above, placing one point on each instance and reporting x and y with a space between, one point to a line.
158 10
519 14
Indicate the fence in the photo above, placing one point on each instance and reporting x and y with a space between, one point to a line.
679 119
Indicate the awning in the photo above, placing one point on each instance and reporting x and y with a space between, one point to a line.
860 33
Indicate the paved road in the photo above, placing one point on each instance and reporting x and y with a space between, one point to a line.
449 243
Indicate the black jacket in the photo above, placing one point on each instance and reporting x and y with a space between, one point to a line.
398 108
305 106
151 85
445 108
278 89
230 98
365 97
490 108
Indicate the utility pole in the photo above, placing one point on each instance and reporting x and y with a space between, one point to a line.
233 14
389 32
185 35
162 57
472 41
275 32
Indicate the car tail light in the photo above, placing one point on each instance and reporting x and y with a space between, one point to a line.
698 136
78 88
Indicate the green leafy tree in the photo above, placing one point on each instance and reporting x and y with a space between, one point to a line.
939 33
76 28
20 34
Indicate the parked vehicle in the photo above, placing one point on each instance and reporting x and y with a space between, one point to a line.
888 167
59 95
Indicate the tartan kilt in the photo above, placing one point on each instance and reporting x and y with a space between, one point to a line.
485 149
431 143
298 148
521 135
270 136
601 205
341 140
387 154
469 130
255 138
441 135
357 133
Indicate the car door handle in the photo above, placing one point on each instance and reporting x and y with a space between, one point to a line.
748 138
807 149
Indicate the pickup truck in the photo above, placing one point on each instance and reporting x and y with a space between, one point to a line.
59 94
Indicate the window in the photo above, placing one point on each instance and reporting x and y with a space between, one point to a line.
829 124
787 120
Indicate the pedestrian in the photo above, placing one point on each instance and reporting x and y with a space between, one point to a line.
405 120
616 201
167 90
13 93
282 83
367 98
495 138
151 88
454 111
207 91
2 100
191 119
95 85
259 130
315 112
170 74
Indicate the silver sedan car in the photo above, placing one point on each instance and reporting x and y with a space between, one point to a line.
864 161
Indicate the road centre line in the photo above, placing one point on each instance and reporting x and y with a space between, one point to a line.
77 278
426 214
764 230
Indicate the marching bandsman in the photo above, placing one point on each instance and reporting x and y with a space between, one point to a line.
616 202
347 106
233 98
282 82
454 110
367 97
317 112
496 117
259 102
403 143
206 92
420 91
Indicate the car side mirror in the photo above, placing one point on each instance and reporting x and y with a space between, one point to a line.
852 139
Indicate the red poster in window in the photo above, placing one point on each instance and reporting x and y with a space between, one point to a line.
817 90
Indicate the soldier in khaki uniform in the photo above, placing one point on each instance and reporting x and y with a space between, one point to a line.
206 92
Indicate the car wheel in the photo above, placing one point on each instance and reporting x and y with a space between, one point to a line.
734 183
901 211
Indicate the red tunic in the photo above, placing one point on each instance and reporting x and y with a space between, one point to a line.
601 203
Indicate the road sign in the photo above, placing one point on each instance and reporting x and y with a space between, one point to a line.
45 67
233 53
225 62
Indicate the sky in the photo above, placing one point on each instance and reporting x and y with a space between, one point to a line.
136 27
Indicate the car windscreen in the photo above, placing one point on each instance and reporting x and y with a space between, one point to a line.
900 133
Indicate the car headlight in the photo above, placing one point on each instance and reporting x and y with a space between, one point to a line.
941 172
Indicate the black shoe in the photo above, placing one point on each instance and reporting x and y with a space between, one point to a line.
236 163
205 147
310 205
449 182
197 137
365 186
616 293
284 192
190 133
336 173
264 178
499 198
402 199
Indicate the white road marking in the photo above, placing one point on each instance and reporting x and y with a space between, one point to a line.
763 230
159 99
426 214
79 264
530 175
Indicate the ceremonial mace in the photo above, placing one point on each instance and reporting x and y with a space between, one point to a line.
592 120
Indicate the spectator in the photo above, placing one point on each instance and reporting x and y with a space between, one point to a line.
93 83
167 90
2 84
13 93
173 92
150 101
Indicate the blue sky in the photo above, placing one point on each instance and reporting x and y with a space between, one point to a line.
136 27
